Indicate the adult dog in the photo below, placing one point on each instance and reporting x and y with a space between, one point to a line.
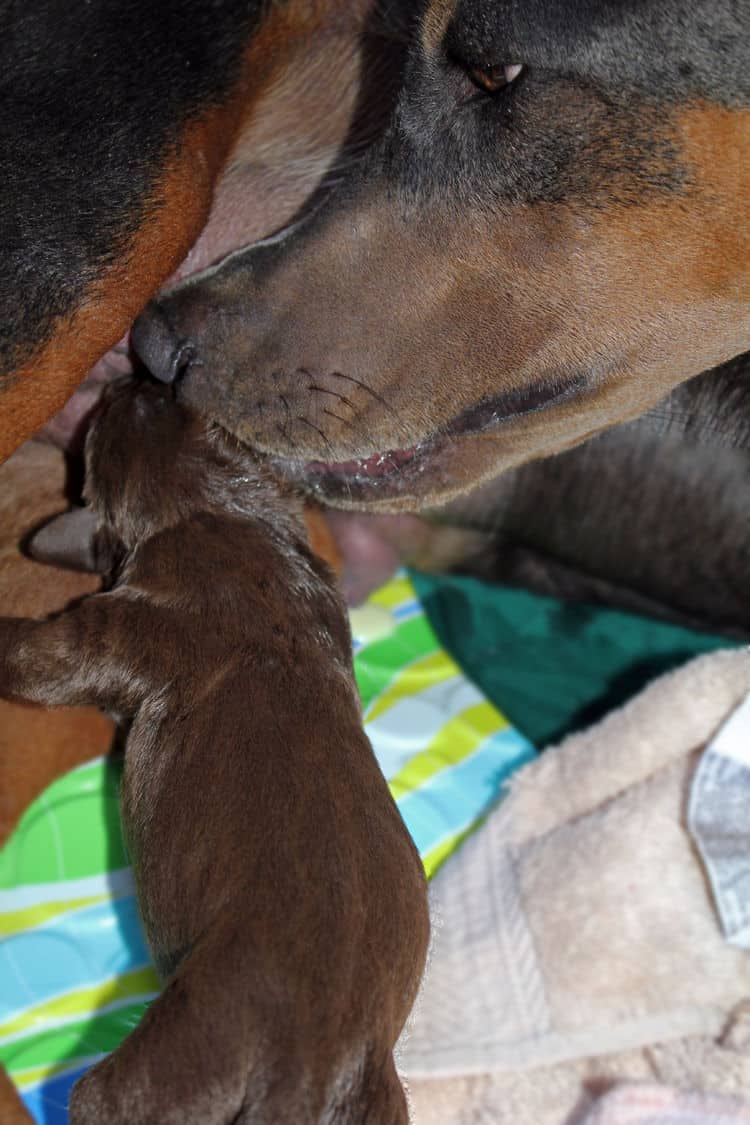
549 239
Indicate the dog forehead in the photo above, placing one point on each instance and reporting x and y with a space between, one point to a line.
664 47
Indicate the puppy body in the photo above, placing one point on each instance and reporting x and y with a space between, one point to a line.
283 899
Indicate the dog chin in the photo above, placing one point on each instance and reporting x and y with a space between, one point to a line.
398 479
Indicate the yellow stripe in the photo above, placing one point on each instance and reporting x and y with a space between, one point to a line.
393 594
436 857
455 741
416 677
15 921
83 1001
24 1079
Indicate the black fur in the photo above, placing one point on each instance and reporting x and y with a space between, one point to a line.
586 119
676 50
92 96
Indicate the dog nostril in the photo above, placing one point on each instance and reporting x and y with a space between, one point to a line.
158 346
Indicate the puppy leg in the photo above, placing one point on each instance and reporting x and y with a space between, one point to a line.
176 1068
77 658
187 1062
227 1043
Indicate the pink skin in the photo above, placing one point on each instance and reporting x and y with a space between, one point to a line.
68 427
373 547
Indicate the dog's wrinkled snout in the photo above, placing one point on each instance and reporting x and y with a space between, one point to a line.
164 352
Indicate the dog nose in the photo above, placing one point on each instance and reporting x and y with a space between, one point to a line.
159 346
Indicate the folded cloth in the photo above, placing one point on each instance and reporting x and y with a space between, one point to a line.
719 820
578 923
658 1105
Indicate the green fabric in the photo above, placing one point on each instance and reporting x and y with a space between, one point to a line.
551 666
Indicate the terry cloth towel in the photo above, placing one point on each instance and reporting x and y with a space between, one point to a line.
565 1094
578 921
657 1105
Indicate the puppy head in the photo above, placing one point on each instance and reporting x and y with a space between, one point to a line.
152 463
548 239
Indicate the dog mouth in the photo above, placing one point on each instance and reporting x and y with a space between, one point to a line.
387 474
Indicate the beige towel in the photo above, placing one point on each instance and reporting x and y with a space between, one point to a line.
566 1094
578 923
656 1105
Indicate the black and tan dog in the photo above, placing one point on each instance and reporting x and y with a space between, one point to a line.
550 238
284 901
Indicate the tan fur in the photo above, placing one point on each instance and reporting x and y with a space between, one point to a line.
639 295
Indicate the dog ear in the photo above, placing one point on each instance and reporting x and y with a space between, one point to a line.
76 541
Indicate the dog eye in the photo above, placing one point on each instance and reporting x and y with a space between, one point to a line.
492 78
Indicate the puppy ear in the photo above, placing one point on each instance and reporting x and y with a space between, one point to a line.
74 540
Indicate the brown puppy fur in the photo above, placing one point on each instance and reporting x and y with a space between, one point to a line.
291 928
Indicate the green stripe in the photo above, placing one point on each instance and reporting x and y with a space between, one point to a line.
27 1079
410 681
96 1033
70 832
395 593
376 665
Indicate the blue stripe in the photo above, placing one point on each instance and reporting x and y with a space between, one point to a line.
76 950
457 796
48 1103
406 609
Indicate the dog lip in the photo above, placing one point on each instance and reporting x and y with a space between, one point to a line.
383 472
494 411
374 466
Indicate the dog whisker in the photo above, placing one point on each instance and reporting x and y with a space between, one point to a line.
288 428
342 398
343 421
378 398
285 436
320 433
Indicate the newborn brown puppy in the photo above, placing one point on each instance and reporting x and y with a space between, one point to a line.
283 899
